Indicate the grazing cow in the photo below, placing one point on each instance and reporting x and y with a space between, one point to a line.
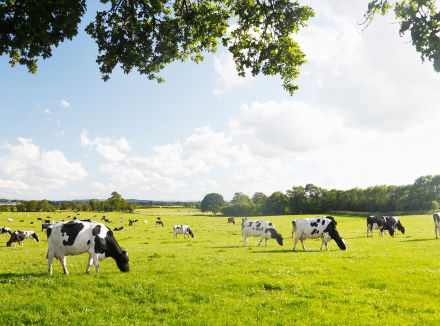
77 237
436 223
383 223
10 220
118 229
16 236
182 229
39 218
130 222
261 228
5 230
46 221
44 226
159 222
105 220
30 235
317 227
231 220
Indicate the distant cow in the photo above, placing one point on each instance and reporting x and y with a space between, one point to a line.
317 227
16 236
261 228
77 237
118 229
31 235
383 223
105 220
159 222
436 223
5 230
231 220
46 221
130 222
182 229
44 226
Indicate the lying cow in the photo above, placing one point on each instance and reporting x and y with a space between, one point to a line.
231 220
436 223
118 229
383 223
77 237
317 227
261 228
16 236
182 229
5 230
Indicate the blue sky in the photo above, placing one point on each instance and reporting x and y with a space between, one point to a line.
367 113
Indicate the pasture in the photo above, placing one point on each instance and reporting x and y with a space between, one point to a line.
214 280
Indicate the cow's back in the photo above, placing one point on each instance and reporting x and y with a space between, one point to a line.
255 228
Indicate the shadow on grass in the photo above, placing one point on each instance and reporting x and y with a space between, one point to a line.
287 250
227 247
417 240
8 276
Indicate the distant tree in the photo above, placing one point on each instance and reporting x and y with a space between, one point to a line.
212 202
277 204
435 205
259 199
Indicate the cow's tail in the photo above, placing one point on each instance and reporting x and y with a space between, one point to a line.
293 227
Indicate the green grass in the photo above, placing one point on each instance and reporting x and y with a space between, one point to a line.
214 280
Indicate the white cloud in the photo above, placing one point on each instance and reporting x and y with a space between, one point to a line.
227 76
106 147
28 168
46 111
65 104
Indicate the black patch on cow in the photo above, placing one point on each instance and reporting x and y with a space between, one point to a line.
48 232
113 250
96 230
319 220
88 242
314 225
71 229
334 234
258 224
270 224
100 245
323 222
315 231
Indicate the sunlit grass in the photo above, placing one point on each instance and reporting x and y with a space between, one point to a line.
214 280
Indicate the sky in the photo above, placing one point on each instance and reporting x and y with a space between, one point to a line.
366 114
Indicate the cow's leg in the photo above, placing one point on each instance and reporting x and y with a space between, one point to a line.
96 262
322 243
294 246
49 257
261 240
266 242
245 241
63 264
436 236
368 228
382 230
89 264
302 242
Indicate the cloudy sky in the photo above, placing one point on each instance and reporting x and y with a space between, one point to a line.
367 113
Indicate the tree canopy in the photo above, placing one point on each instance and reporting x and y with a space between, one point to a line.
212 202
149 34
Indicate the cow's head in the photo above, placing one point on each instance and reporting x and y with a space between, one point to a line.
275 235
400 227
334 234
34 235
190 232
122 262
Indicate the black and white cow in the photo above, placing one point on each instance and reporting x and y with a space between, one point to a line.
182 229
16 236
44 226
159 223
261 228
231 220
383 223
77 237
31 235
436 223
5 230
317 227
118 229
130 222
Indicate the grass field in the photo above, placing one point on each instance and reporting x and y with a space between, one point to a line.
214 280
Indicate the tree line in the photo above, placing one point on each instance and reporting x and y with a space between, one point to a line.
422 195
112 204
